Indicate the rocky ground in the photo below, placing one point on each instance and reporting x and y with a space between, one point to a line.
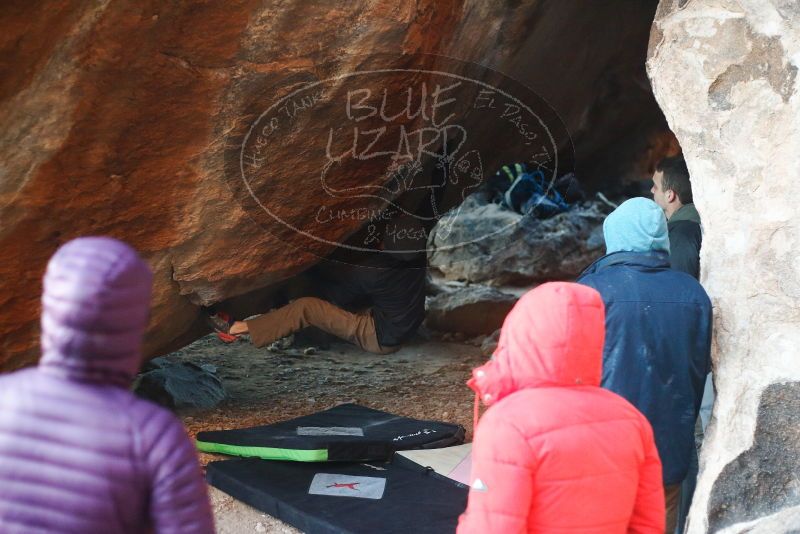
425 379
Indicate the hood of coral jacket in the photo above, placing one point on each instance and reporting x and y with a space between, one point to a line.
553 337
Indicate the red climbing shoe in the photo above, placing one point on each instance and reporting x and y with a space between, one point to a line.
221 322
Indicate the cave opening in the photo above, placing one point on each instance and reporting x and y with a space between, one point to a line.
594 103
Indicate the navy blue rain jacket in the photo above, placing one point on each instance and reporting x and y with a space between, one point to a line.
657 347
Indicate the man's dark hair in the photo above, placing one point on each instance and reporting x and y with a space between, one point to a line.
676 177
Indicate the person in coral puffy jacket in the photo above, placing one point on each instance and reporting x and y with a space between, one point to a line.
554 451
78 451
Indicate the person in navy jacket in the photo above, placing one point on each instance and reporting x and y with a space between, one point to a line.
658 333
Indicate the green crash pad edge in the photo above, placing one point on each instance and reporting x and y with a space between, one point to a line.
265 453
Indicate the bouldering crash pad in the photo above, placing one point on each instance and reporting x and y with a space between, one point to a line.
347 432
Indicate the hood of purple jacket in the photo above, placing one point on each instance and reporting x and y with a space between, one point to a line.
95 308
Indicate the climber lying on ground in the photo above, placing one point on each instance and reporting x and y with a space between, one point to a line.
78 451
393 287
555 452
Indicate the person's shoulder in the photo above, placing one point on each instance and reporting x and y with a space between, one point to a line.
608 279
612 407
143 411
11 384
587 279
515 410
683 229
591 275
507 426
153 422
158 433
629 412
683 224
523 410
621 406
16 378
686 286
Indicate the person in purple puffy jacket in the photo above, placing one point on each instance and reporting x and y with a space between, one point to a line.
78 451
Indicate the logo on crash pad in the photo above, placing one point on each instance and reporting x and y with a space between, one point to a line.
338 485
424 431
348 485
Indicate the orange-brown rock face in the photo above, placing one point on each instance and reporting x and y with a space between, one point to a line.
122 118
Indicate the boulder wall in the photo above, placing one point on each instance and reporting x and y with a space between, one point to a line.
725 74
115 118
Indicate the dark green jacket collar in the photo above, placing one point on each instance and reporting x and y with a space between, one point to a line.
687 212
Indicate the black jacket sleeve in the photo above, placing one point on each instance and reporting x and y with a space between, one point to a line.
685 239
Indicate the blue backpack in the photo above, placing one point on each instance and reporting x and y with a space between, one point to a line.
530 194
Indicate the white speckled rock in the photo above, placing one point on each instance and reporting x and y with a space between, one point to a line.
725 74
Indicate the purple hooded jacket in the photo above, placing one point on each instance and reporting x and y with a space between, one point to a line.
78 451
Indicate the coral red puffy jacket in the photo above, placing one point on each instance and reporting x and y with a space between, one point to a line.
555 452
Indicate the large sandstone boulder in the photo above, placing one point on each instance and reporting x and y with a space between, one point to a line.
487 243
472 309
725 73
125 119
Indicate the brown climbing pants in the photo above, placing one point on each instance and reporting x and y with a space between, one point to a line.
672 495
358 329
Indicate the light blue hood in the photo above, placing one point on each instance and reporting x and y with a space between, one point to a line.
637 225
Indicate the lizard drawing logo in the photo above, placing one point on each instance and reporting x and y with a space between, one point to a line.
348 485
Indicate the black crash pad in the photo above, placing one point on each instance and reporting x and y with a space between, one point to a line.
348 432
396 497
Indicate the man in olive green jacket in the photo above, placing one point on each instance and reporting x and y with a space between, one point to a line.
672 190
